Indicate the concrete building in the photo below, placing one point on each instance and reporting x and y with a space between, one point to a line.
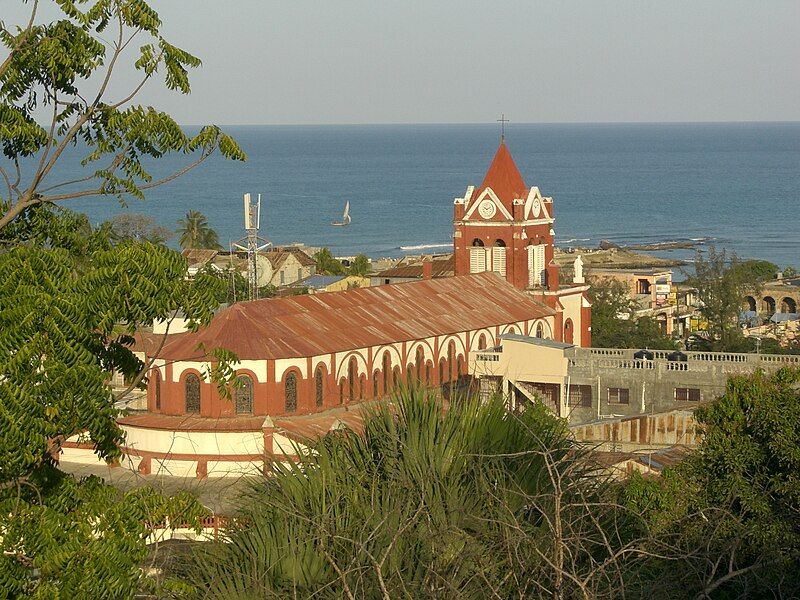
585 385
650 289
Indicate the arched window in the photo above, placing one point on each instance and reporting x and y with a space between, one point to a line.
396 377
482 342
387 373
244 395
157 383
420 362
192 393
428 373
362 386
351 378
788 305
375 376
477 257
442 363
569 332
460 366
768 304
512 330
749 303
539 330
499 258
319 386
410 376
290 392
451 359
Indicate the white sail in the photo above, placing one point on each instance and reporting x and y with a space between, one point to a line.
346 216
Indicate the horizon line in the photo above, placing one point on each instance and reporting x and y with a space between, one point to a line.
488 123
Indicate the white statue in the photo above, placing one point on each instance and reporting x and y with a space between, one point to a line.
577 268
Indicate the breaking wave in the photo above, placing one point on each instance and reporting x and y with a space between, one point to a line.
425 246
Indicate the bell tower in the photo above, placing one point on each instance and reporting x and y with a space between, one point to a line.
506 227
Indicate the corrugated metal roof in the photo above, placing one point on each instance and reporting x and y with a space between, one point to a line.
440 267
311 325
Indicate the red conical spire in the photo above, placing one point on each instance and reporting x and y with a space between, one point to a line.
504 178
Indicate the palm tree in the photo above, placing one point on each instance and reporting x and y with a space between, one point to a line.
427 502
195 232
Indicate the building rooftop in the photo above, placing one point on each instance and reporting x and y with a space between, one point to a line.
441 266
310 325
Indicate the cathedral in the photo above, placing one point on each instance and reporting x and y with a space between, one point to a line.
304 361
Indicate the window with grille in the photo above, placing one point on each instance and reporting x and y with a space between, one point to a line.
319 387
539 330
290 392
192 393
244 395
499 259
618 395
580 396
158 389
536 266
687 394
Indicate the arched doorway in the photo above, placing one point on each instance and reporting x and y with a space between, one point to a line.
788 305
750 304
768 305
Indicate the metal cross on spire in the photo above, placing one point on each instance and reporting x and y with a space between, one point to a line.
502 120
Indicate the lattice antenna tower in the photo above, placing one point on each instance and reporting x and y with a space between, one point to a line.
252 243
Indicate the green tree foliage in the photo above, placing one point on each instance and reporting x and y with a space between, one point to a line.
70 299
726 521
327 264
195 232
615 323
360 265
722 281
471 502
83 538
137 227
63 69
757 271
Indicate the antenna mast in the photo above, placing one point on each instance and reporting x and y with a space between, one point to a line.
252 244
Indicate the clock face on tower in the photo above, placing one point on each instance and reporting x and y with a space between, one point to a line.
487 209
537 208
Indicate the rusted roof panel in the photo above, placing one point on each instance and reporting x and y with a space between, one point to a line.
358 318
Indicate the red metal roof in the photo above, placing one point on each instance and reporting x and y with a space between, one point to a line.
504 178
440 267
311 325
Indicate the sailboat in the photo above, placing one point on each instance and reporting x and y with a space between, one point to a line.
346 220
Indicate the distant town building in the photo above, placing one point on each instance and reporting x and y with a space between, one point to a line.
416 268
650 289
333 283
276 266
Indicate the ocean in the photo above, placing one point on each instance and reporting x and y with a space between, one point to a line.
734 185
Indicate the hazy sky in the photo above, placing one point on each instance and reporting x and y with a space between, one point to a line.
422 61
